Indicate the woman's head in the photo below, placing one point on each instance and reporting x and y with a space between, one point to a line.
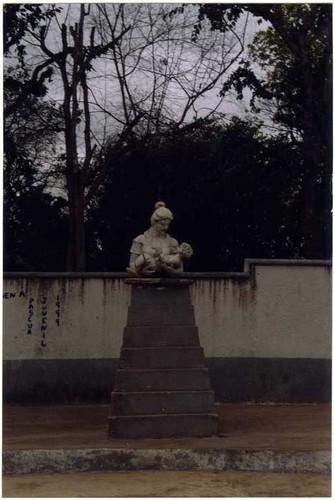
161 213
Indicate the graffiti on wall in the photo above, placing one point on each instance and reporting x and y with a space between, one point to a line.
32 318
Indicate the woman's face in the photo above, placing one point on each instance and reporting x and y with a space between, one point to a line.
162 225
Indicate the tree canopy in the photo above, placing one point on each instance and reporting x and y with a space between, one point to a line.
295 55
226 185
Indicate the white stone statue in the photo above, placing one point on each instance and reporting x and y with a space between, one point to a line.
155 251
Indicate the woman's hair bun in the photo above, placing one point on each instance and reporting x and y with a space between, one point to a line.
159 204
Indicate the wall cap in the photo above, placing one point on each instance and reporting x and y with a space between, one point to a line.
248 264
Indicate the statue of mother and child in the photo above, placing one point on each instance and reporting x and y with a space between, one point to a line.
156 252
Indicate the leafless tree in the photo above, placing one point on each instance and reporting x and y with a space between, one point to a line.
73 58
158 70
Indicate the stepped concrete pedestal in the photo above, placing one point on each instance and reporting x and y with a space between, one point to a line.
162 386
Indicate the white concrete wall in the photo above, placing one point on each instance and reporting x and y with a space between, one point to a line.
283 312
276 309
91 312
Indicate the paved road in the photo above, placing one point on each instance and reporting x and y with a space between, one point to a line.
166 484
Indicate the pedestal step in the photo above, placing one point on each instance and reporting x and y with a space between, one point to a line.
163 402
161 336
190 379
160 295
167 314
161 357
163 426
161 388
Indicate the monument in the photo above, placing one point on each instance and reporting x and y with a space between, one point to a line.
161 387
155 251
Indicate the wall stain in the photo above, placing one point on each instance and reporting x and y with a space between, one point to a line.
243 293
82 290
105 291
328 270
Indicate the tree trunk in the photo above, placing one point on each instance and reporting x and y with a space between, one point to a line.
76 253
314 200
310 230
315 190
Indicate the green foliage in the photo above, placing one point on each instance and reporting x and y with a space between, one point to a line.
244 77
294 53
18 19
297 65
34 231
30 130
33 220
222 16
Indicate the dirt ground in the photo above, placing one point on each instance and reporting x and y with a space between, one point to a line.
166 484
242 426
273 427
